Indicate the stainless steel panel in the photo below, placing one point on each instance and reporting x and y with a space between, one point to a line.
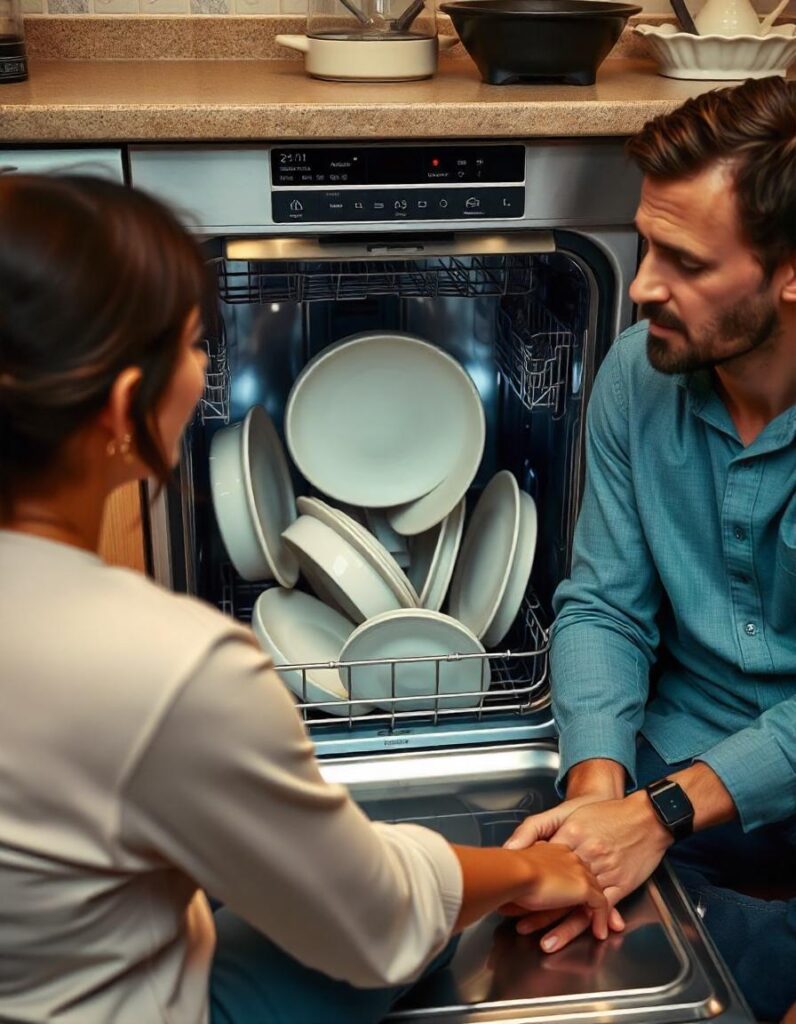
662 968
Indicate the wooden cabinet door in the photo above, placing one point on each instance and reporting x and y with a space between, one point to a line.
122 537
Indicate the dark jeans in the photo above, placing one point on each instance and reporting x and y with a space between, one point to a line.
253 981
756 937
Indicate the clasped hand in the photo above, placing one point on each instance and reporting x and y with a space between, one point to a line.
620 841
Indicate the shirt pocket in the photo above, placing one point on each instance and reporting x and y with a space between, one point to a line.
783 596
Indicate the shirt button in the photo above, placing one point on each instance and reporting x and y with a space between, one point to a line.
750 629
739 533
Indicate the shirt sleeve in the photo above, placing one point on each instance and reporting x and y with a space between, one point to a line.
228 790
758 766
605 635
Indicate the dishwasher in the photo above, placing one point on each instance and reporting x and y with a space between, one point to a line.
515 258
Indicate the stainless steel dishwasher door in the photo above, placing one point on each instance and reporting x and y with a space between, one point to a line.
662 968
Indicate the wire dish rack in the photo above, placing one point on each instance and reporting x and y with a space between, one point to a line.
256 281
534 353
518 675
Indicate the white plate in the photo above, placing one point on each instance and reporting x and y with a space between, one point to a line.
253 497
519 575
416 633
482 572
366 545
296 629
338 571
433 556
720 58
363 419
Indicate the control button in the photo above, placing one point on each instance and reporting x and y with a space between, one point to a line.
377 205
422 204
750 629
739 533
472 203
359 205
296 206
401 204
460 174
443 204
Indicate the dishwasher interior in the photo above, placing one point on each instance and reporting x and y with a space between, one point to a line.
523 324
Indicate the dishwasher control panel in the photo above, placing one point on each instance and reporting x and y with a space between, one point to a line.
321 184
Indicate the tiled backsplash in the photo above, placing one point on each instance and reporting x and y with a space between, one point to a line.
238 7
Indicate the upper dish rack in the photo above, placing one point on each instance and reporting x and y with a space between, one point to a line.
318 281
519 673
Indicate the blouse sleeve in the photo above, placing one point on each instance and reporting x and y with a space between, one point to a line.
226 788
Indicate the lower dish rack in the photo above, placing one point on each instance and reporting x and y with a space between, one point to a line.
519 674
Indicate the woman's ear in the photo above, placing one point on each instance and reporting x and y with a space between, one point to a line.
116 417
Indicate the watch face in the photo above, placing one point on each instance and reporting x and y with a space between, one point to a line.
673 803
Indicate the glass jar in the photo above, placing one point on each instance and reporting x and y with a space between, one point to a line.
372 20
13 65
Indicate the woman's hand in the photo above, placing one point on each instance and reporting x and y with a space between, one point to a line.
561 880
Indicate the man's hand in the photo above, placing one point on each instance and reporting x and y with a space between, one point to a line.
621 841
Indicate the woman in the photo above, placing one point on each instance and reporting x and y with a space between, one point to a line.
148 751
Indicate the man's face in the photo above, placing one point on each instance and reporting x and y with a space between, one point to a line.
699 283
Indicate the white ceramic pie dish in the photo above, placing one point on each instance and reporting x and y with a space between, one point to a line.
482 571
337 571
362 421
298 629
720 58
253 497
416 633
433 557
366 545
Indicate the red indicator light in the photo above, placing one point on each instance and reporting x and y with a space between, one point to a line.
435 162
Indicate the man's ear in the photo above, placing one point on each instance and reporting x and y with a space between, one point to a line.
116 416
787 290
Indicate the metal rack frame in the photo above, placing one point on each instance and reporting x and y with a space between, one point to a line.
518 675
323 281
535 358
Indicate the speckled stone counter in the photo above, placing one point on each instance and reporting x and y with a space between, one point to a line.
74 101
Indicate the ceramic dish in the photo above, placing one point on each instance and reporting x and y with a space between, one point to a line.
366 545
490 544
518 576
338 571
253 498
720 58
296 629
416 633
362 420
433 556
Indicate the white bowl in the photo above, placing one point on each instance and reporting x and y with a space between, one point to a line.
482 572
336 570
433 556
366 545
297 629
253 498
363 418
720 58
518 576
416 633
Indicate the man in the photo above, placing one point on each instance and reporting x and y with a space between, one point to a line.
685 550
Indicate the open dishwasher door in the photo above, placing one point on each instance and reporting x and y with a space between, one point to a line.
662 968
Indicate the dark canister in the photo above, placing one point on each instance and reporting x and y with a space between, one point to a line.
13 63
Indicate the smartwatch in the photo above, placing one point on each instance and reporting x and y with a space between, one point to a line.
672 806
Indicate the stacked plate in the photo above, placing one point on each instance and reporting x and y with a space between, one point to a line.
362 424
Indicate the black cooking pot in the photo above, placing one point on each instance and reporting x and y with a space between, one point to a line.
535 41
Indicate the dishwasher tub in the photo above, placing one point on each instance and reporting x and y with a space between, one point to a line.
662 968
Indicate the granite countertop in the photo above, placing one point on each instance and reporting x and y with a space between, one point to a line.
135 100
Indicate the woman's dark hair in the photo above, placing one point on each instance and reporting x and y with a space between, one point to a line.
94 277
753 127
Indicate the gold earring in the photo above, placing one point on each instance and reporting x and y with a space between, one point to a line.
111 449
124 448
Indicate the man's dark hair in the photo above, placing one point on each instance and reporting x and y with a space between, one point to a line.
753 128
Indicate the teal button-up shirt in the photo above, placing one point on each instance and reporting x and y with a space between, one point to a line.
684 552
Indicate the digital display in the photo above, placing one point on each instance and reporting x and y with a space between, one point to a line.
396 165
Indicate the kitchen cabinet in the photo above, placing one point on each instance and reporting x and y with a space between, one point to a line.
122 537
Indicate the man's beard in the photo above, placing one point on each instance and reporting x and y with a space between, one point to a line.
741 329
